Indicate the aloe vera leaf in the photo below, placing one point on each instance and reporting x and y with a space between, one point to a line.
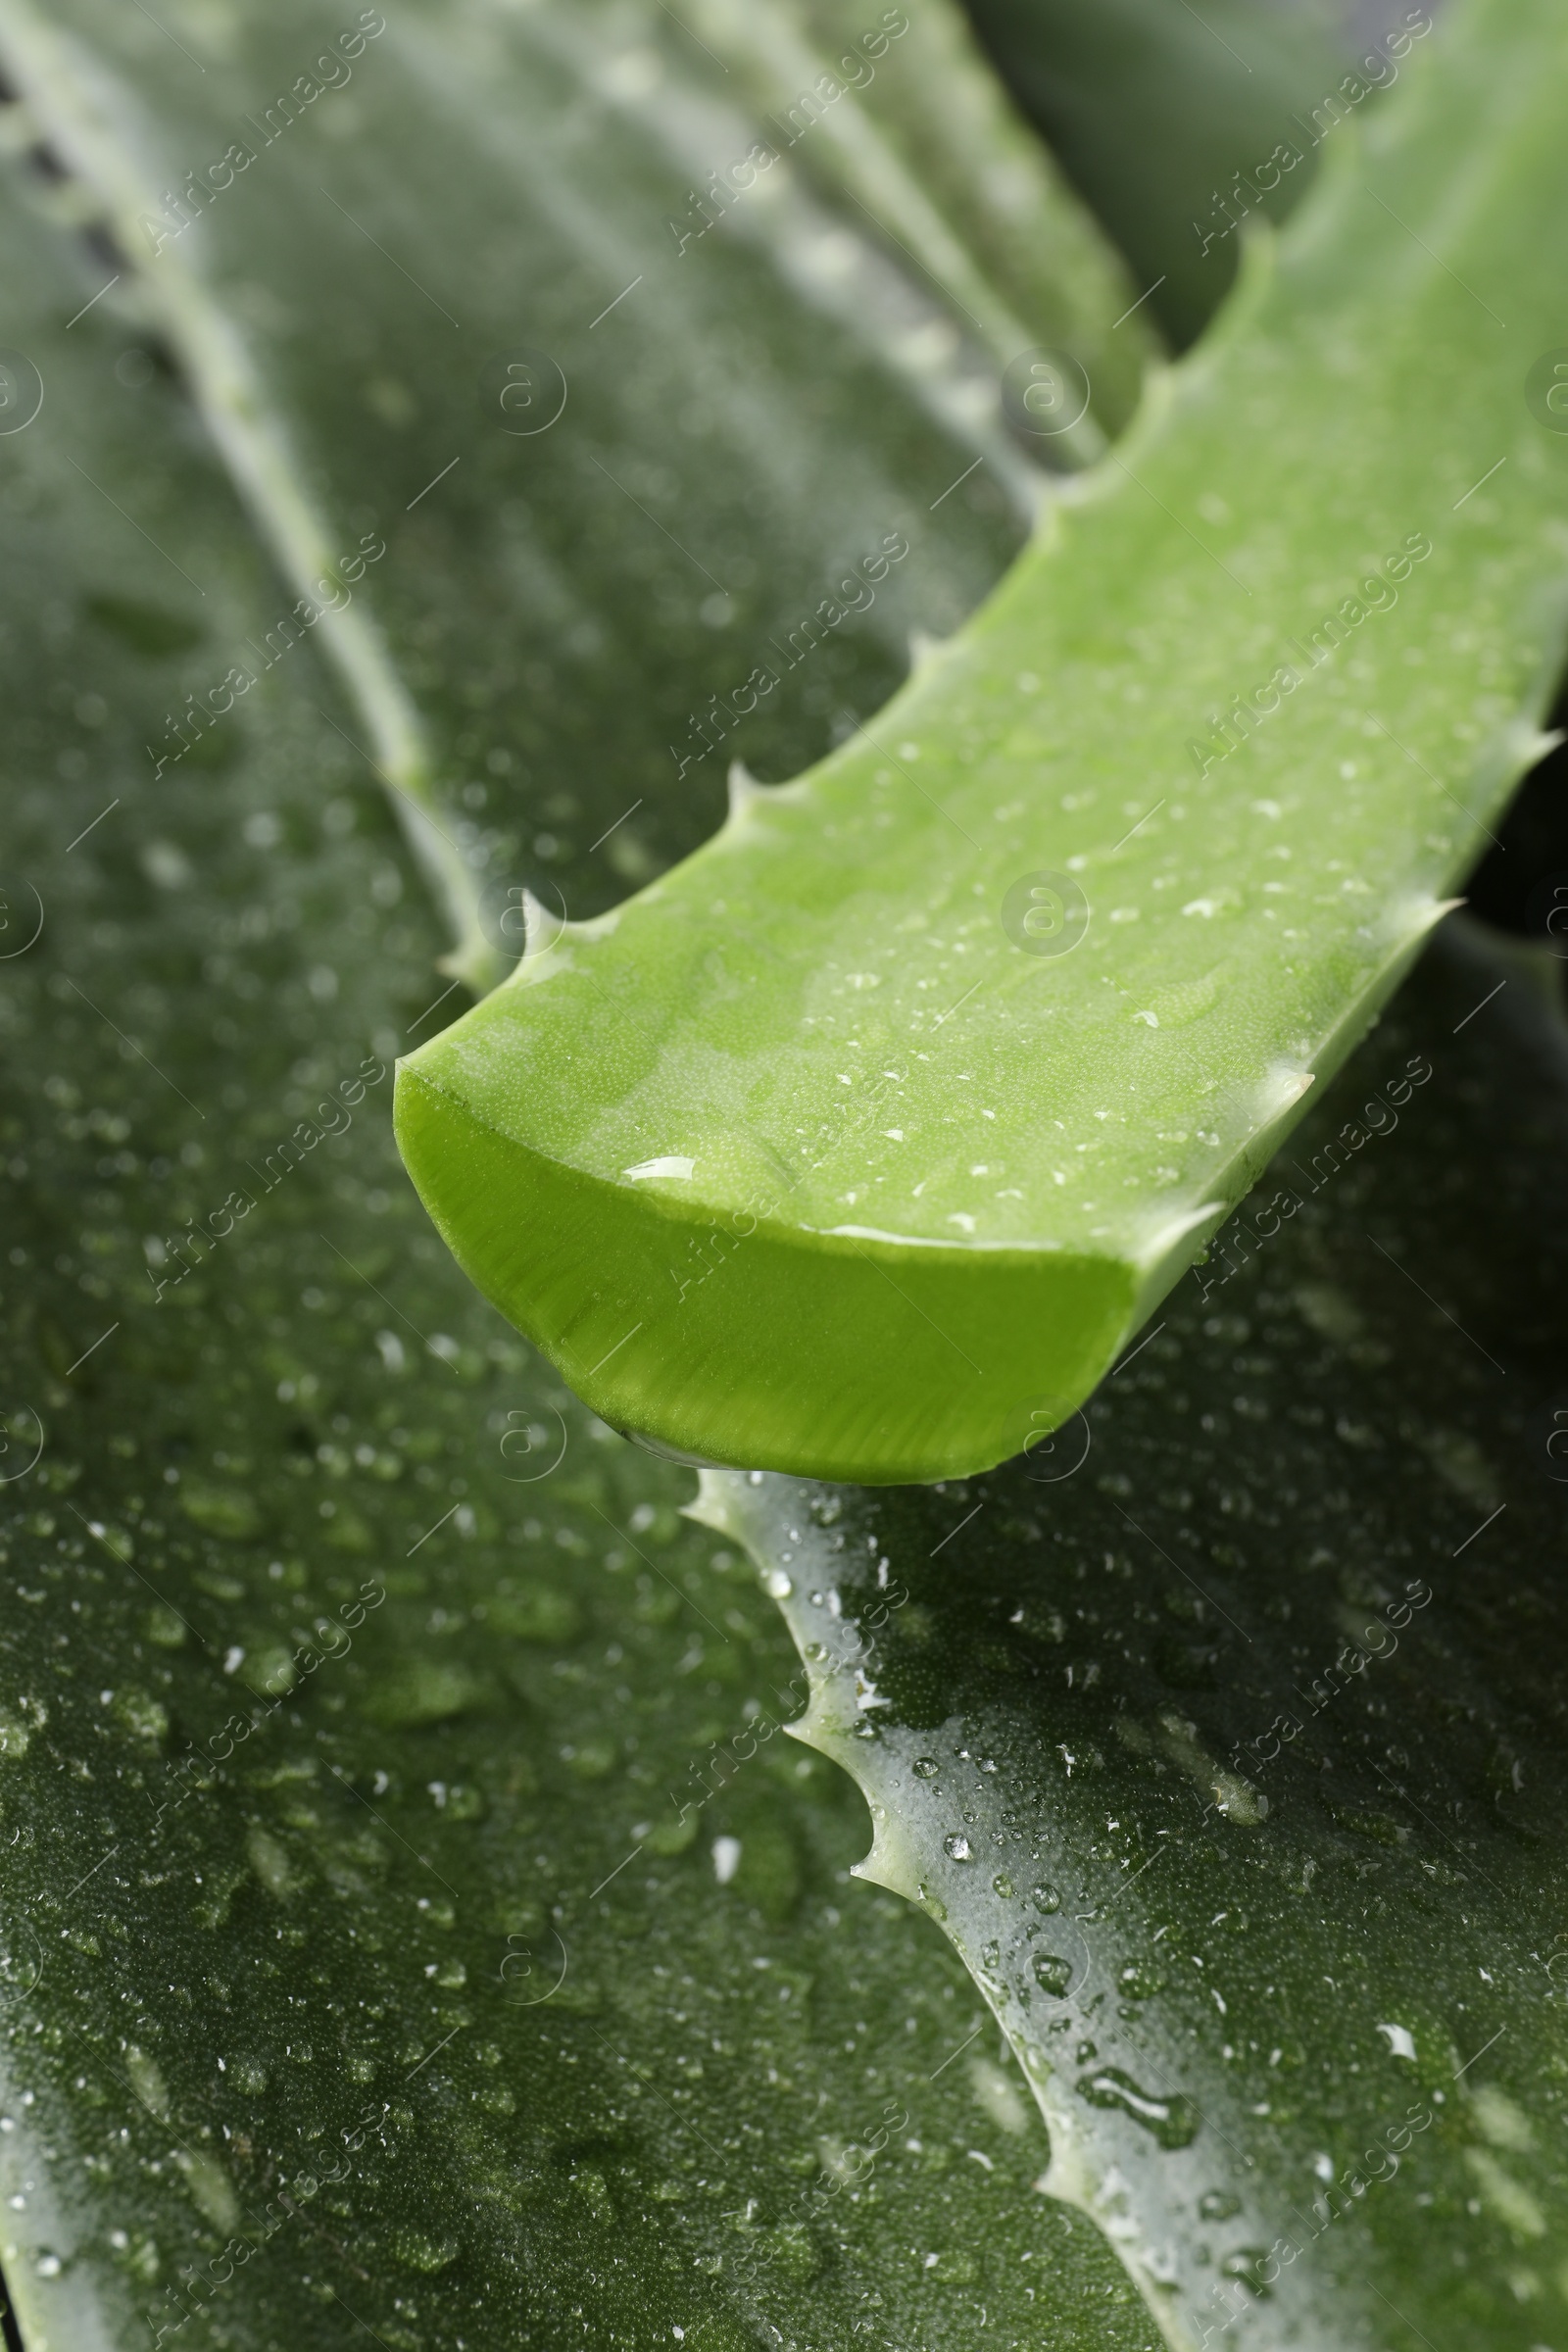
798 1158
337 321
930 147
237 1961
1165 116
1228 1747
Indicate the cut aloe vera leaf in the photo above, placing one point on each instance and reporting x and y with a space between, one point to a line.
1227 1742
860 1144
758 385
344 1654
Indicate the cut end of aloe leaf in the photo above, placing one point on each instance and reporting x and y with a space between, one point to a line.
741 1339
859 1144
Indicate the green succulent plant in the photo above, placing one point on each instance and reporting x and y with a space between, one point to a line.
416 1924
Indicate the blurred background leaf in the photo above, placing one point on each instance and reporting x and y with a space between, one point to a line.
759 381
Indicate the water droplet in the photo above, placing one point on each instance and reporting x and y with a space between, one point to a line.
1002 1885
147 2081
1140 1982
726 1859
221 1510
1047 1900
990 1954
778 1583
1246 2266
957 1848
420 1690
1173 2121
925 1768
416 2250
271 1863
1052 1973
209 2188
815 1651
1217 2205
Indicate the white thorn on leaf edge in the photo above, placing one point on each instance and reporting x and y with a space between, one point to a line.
1528 743
746 794
744 790
541 927
710 1507
1166 1236
1410 922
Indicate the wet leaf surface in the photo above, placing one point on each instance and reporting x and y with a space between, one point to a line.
1224 1733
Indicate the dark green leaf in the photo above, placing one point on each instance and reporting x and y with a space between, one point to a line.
1226 1739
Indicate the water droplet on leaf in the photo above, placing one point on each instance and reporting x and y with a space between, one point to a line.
1052 1973
1140 1981
1172 2121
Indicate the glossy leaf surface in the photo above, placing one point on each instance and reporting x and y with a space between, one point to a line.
1225 1738
863 1142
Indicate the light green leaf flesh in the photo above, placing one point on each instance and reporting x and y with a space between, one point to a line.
803 1158
1226 1740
